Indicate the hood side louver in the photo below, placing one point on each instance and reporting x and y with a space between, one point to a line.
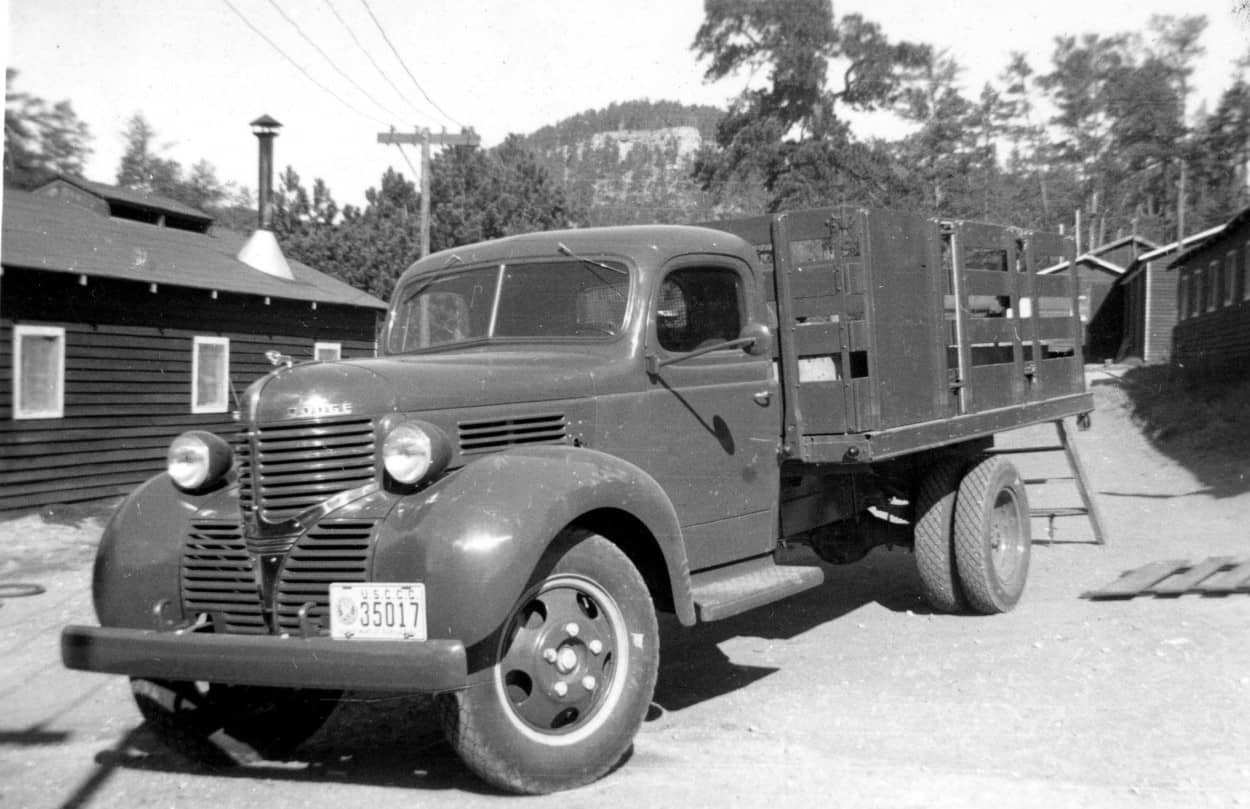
491 435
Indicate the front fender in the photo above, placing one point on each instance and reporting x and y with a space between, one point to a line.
476 537
137 562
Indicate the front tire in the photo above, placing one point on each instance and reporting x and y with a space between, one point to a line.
572 676
993 539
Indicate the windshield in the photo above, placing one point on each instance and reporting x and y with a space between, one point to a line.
541 300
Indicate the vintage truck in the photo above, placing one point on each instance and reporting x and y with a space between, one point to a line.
566 432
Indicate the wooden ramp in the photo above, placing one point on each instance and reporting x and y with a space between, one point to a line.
1073 470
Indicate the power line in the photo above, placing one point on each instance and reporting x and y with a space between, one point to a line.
299 67
374 62
415 174
404 65
331 62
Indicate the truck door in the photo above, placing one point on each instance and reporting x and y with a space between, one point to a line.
713 421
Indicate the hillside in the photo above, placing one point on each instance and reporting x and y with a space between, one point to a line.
630 162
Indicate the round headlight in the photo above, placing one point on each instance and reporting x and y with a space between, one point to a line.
413 451
198 459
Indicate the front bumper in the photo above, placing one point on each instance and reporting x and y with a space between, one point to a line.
267 660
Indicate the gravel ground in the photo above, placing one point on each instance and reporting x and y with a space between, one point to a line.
851 694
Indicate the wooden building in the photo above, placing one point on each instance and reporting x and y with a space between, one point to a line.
1100 299
1149 295
1213 298
126 319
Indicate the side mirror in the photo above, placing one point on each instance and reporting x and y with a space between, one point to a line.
761 338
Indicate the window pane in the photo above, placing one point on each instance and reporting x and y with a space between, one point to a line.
327 352
447 310
569 299
1230 277
698 307
210 376
41 373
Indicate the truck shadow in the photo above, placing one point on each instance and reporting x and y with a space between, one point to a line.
369 740
385 740
693 668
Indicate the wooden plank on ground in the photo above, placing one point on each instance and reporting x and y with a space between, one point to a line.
1228 581
1135 581
1186 581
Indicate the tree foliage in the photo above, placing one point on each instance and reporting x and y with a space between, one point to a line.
41 139
1102 134
787 136
474 195
144 166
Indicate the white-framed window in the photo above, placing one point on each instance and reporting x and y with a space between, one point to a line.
210 375
1230 277
327 352
38 372
1212 293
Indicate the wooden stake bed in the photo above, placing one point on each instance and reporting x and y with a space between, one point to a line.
898 333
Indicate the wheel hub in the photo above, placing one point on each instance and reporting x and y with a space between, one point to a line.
1006 535
559 658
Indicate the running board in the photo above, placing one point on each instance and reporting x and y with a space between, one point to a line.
733 589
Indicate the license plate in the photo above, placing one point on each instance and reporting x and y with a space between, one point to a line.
377 611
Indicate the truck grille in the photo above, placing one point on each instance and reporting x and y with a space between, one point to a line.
335 550
284 470
218 577
496 434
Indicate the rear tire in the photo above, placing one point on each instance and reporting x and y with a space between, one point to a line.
572 677
934 536
993 539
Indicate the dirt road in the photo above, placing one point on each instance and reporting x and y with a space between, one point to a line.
851 695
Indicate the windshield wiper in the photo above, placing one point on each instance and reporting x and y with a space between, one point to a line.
590 263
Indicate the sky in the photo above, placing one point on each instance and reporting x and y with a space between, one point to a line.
201 71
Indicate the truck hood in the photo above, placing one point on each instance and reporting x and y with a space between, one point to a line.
420 383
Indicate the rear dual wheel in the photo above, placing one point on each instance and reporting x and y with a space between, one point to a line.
993 539
972 535
572 677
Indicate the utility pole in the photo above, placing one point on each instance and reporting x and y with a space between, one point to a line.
1180 202
426 138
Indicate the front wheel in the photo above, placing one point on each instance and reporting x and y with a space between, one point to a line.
993 540
572 677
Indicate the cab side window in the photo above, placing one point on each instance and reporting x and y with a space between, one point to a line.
699 306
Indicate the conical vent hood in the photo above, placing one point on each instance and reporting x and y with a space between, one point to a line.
261 252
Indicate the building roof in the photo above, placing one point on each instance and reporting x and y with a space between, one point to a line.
44 234
129 196
1085 258
1132 238
1139 264
1240 218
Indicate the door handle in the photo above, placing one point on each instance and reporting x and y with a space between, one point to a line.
762 398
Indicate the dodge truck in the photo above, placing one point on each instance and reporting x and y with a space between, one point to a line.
566 433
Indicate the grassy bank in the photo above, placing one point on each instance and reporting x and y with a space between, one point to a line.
1182 411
